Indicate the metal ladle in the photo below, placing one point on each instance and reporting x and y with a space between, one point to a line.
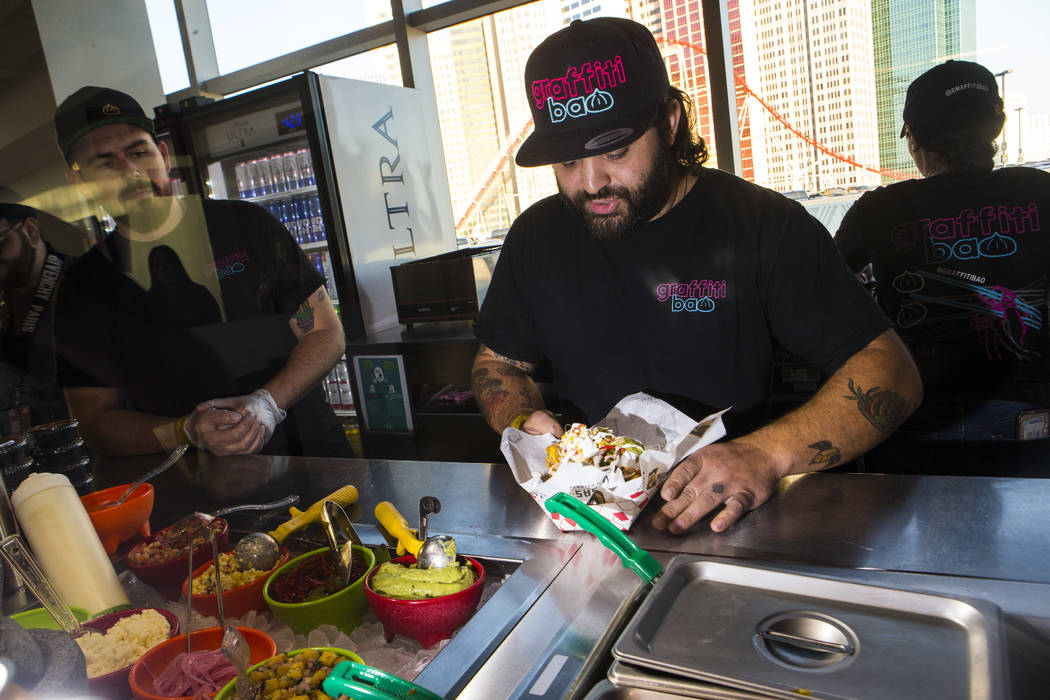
235 648
438 551
174 457
260 550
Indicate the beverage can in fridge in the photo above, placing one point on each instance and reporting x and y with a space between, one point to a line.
292 177
263 178
316 217
276 165
302 214
306 168
245 188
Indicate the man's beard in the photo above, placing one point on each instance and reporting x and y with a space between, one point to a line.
637 205
146 214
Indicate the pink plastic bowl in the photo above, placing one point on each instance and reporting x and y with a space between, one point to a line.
167 578
430 620
115 685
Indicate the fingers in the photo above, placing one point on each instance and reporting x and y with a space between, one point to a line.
542 423
735 506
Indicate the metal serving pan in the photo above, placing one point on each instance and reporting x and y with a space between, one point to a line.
784 634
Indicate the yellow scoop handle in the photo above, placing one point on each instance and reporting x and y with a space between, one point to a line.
301 518
389 517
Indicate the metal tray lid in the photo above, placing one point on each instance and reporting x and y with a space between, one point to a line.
784 634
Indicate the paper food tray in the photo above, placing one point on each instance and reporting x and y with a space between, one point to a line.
668 435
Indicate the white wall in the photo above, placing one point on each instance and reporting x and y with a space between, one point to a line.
99 42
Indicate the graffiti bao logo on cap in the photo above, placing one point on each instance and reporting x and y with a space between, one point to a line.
581 91
110 108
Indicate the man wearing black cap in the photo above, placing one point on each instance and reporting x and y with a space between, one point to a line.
961 266
221 363
650 272
30 274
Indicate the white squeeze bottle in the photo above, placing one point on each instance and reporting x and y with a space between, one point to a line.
65 543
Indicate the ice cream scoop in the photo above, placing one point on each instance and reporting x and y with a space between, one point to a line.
431 553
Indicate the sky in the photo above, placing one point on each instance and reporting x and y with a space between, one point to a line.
1015 35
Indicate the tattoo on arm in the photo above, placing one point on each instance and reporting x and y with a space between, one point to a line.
488 390
827 454
881 407
304 315
525 367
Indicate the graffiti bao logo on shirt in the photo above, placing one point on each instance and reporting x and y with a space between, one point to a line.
698 295
987 233
228 264
581 91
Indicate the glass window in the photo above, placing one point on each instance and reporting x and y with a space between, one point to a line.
247 32
164 26
376 66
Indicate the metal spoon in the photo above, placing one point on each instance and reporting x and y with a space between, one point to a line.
174 457
218 576
235 648
439 551
260 550
17 554
336 521
186 529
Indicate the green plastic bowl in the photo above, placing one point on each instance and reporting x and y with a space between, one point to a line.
40 619
343 609
227 690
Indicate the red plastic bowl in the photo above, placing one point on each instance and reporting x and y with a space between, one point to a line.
115 524
168 577
430 620
154 661
115 685
236 601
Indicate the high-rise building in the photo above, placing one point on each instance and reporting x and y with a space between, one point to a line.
910 37
816 74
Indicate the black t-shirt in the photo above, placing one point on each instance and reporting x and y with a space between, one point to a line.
195 317
961 265
689 305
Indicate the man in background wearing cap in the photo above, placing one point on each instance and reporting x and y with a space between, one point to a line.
961 265
650 272
143 376
30 273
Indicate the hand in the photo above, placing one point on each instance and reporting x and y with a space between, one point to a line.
258 415
737 474
542 422
206 428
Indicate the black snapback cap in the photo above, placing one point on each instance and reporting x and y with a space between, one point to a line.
91 107
594 86
952 93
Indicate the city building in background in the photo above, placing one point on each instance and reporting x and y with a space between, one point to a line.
910 37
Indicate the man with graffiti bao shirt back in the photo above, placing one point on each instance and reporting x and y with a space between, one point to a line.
649 272
961 264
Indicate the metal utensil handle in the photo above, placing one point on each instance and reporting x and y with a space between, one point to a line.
189 602
286 501
809 643
16 553
428 505
218 576
175 456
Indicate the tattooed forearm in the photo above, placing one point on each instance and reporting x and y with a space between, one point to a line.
489 391
827 454
881 407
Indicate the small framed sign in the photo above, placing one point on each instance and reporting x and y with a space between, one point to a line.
383 393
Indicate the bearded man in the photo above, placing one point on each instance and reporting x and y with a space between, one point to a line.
649 272
195 321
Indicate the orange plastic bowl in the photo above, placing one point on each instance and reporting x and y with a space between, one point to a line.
236 601
156 660
167 576
115 524
429 620
115 685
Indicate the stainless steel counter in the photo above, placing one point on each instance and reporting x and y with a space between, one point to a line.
975 537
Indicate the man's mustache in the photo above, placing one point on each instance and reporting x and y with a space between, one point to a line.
137 186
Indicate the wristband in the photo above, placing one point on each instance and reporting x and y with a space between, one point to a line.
520 420
180 431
